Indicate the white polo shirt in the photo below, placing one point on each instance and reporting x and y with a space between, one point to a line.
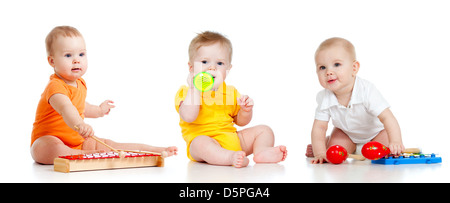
359 120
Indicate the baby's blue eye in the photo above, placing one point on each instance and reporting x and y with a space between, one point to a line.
82 54
68 55
204 62
220 63
337 64
322 68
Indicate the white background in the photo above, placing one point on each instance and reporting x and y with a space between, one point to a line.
137 53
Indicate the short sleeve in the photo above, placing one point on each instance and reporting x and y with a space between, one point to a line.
55 87
374 101
322 114
83 82
180 96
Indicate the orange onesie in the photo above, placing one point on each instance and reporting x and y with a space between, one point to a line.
49 122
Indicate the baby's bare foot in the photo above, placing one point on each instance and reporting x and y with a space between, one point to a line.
171 151
239 159
271 155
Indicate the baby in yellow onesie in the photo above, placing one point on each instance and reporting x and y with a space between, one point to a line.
207 118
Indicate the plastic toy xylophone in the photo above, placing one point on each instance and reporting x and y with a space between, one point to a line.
409 159
109 160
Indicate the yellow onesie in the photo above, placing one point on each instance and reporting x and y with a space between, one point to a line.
215 118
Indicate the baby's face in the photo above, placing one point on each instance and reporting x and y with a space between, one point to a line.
214 59
336 69
69 58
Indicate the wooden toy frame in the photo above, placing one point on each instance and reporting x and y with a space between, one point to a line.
110 160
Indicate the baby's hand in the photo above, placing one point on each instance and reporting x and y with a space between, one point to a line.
246 103
106 107
396 148
320 159
190 80
84 130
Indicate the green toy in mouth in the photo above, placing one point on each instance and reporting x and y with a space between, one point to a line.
204 81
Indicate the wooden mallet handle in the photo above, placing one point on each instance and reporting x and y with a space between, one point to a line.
412 150
357 157
163 154
106 145
101 142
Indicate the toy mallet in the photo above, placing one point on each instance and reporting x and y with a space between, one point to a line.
337 154
120 152
203 81
162 154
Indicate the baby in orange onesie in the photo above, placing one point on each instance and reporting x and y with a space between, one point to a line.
59 127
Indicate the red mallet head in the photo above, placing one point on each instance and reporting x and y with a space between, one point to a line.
374 150
336 154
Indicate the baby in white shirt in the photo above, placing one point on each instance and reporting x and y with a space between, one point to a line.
358 111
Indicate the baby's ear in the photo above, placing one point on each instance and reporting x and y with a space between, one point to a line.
355 67
191 68
51 61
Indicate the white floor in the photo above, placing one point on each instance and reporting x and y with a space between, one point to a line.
296 169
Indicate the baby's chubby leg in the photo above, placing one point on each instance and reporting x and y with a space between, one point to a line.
206 149
46 148
259 140
338 137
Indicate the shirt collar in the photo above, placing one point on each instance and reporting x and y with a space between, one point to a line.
221 88
331 100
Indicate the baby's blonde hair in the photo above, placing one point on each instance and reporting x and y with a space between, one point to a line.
337 41
208 38
59 31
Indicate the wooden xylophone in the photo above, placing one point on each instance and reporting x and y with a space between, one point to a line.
109 160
